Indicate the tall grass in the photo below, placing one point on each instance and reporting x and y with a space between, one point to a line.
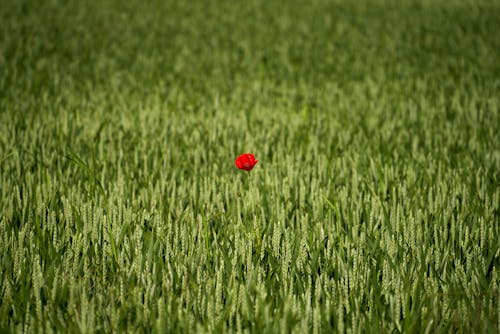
374 207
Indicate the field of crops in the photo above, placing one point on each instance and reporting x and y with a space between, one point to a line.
374 206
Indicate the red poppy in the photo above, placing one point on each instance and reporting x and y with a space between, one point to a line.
246 161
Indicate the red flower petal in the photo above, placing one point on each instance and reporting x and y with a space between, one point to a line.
245 161
238 163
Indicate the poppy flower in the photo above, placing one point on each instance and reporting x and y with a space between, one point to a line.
245 161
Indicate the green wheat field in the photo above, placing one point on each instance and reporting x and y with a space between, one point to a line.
374 207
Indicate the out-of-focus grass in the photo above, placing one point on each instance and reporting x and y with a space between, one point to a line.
374 206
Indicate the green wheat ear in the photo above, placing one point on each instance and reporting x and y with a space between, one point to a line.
89 172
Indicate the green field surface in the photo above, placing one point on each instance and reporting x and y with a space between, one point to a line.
374 207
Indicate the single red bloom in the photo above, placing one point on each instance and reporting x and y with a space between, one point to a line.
246 161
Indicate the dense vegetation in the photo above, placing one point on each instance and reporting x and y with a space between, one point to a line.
374 206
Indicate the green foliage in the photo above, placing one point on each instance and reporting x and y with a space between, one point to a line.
374 206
